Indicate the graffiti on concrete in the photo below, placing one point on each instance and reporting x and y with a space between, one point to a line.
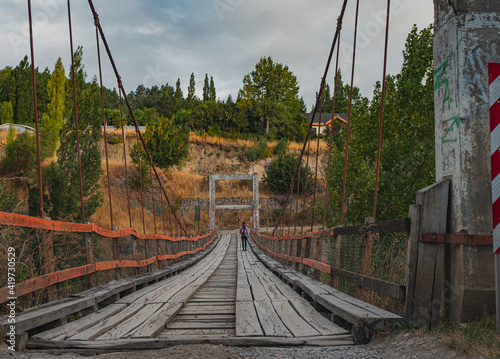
442 83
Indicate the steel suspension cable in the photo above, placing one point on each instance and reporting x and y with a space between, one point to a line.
153 195
306 184
140 179
170 221
113 64
76 114
163 214
124 135
35 103
317 152
104 125
297 200
331 127
382 101
335 38
350 113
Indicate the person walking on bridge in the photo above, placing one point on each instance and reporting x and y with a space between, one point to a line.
244 234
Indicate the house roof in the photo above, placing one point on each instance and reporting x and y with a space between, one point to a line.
326 118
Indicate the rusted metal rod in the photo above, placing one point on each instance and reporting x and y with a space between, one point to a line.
381 119
350 113
335 38
39 158
124 135
339 26
103 37
104 126
76 114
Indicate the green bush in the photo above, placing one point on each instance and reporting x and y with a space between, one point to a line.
114 139
252 154
280 173
281 147
20 155
8 199
259 152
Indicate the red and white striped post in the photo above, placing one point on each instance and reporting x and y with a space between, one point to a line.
494 82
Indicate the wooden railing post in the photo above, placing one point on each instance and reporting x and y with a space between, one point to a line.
116 254
146 252
367 256
299 253
134 253
89 258
336 253
411 262
307 254
157 252
317 256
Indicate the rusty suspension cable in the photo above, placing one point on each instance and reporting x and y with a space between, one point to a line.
113 64
104 127
76 114
39 159
331 127
382 101
350 113
335 39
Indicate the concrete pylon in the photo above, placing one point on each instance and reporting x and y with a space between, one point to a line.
467 38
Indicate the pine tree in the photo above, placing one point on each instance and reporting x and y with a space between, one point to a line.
56 88
90 129
212 95
206 89
178 96
24 112
6 113
191 97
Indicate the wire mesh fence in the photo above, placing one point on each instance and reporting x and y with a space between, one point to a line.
54 264
356 262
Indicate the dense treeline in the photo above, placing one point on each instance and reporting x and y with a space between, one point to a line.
267 105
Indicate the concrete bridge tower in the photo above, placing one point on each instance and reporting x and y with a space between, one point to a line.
467 38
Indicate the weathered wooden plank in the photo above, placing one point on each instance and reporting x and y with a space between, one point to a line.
106 324
156 323
310 315
244 293
374 310
37 318
127 327
294 322
270 320
143 291
351 313
81 324
198 325
247 321
212 309
91 347
196 334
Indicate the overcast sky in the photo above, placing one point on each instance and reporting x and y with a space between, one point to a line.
155 42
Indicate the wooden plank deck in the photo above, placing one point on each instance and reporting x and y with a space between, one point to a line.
228 297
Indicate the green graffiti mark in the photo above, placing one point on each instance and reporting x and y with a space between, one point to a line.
440 80
455 123
440 76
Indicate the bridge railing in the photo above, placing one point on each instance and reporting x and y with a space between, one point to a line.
57 259
367 261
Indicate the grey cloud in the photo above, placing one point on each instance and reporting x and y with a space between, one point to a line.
157 41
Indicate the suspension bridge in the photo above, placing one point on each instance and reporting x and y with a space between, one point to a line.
334 286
